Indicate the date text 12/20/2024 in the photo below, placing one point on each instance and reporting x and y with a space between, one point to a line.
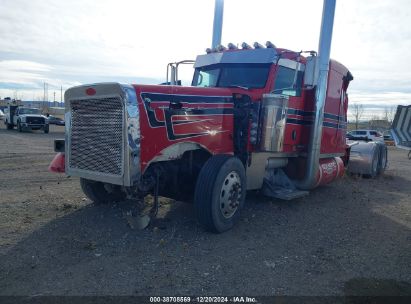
202 300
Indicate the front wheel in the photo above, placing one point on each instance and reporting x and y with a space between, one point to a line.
101 193
9 126
220 193
19 127
46 129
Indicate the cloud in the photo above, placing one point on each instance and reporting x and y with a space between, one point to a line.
66 43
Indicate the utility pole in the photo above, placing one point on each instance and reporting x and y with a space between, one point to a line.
61 94
54 98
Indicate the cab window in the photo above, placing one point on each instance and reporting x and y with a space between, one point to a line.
207 78
287 82
247 75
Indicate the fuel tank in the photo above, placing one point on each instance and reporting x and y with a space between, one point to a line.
329 170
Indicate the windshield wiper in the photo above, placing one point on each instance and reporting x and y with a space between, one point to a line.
282 89
237 86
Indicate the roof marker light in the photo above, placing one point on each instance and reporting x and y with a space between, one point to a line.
246 46
258 45
269 44
90 91
208 50
221 48
232 46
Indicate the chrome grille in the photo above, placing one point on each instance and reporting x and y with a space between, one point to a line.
96 137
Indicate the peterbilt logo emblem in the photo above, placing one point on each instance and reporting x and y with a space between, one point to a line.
329 168
147 99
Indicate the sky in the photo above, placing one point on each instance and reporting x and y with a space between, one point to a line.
67 43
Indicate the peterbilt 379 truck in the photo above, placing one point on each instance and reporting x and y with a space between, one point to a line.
247 122
254 118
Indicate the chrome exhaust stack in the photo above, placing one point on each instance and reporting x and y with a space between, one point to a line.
324 48
218 23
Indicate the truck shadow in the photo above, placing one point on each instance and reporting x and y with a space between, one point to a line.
333 235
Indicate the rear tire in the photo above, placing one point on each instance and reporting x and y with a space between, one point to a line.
220 193
383 159
9 126
374 164
99 194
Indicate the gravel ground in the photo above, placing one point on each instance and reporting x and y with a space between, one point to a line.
352 237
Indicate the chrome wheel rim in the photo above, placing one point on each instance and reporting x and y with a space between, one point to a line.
230 194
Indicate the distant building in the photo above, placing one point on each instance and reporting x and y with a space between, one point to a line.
373 124
6 101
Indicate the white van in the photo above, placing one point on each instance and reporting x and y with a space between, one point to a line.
365 135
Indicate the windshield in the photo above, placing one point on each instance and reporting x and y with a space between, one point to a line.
232 75
29 111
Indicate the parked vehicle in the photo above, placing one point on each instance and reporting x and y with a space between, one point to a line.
53 120
1 115
256 118
369 135
25 119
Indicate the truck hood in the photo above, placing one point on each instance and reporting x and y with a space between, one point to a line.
33 115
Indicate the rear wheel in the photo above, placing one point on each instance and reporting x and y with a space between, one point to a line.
101 193
382 165
220 193
374 164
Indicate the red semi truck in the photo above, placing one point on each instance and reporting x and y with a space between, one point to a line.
254 118
246 123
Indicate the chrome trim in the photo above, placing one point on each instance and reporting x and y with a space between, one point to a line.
291 64
132 145
130 132
309 181
243 56
260 163
274 113
218 23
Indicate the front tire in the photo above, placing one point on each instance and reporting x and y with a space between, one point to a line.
19 127
46 129
220 193
98 192
9 126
